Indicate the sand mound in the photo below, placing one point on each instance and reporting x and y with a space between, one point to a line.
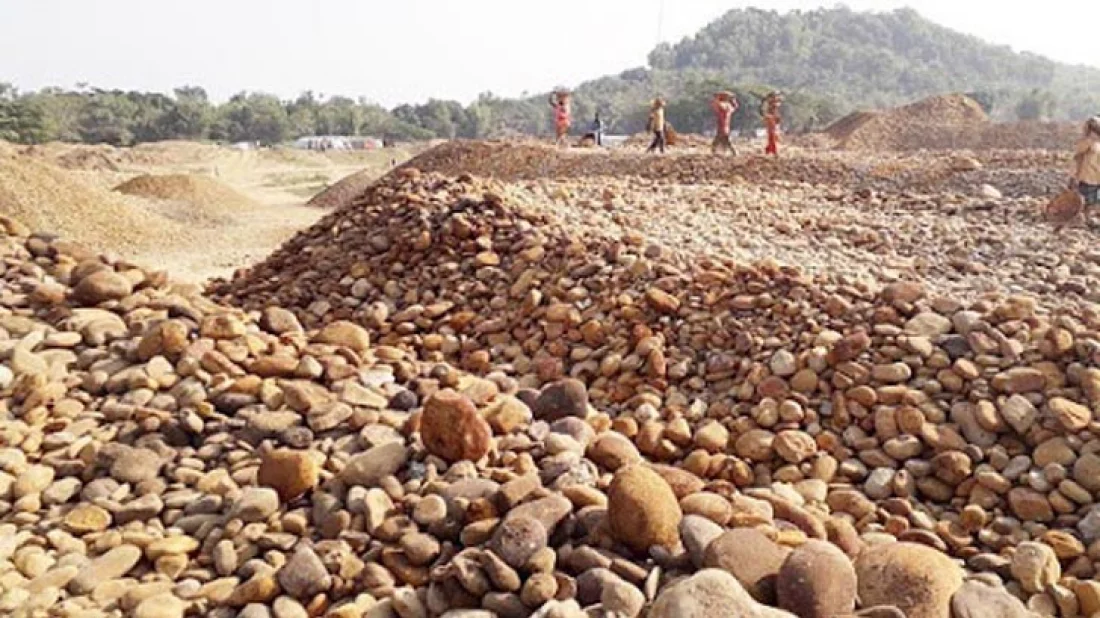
190 198
77 157
345 190
49 199
170 153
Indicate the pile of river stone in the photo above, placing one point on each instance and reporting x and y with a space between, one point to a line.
894 425
165 456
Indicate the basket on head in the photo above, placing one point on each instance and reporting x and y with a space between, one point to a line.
1065 206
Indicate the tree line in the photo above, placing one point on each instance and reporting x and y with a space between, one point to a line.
123 118
829 62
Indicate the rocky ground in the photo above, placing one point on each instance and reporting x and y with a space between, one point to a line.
682 392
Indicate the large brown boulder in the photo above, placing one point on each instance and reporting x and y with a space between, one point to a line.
751 557
561 399
452 428
710 593
101 286
342 332
290 473
915 578
642 510
817 581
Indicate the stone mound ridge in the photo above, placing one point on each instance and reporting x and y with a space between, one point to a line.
165 455
506 161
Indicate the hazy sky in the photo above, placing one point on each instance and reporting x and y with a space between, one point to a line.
394 51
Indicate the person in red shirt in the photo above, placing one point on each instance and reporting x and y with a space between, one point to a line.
725 106
559 101
772 121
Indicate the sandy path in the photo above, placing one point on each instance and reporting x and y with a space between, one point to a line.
281 182
220 251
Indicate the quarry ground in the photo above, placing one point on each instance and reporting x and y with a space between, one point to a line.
74 184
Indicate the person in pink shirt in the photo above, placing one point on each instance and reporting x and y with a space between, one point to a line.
725 106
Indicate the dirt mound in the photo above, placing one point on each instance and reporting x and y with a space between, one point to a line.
950 108
846 126
923 124
52 200
946 122
345 190
77 157
190 198
91 158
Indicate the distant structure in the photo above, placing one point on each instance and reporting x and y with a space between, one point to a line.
338 142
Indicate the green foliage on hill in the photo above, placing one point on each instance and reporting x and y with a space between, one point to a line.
829 62
875 60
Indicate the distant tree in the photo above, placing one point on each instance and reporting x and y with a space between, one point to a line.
105 119
1036 105
986 99
22 122
190 116
255 117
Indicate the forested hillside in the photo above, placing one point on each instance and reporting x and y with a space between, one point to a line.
830 61
873 59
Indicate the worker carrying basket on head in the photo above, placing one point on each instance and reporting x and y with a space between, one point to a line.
657 126
724 105
559 102
770 111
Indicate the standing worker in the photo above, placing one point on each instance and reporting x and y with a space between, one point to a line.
597 129
1086 165
559 101
725 106
657 125
772 120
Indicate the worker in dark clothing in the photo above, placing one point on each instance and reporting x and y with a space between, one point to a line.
597 129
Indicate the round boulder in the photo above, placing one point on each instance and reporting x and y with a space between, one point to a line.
516 539
563 398
751 557
817 581
642 509
916 579
710 593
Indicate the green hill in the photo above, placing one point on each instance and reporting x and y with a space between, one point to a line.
837 60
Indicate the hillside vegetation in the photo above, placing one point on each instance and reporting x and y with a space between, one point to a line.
832 61
874 59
